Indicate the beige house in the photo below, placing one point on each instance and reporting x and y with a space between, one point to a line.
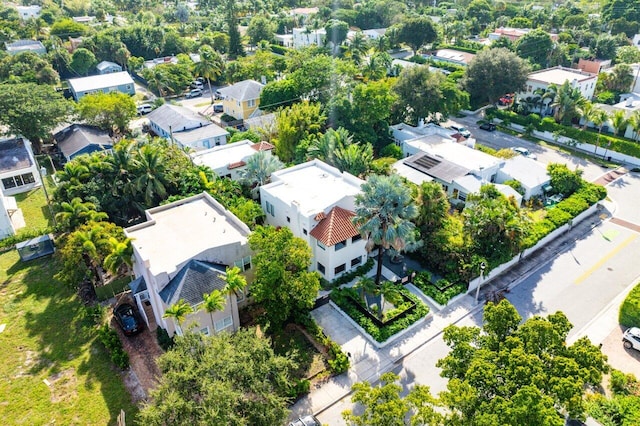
242 99
180 253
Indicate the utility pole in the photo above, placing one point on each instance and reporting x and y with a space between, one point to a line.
482 267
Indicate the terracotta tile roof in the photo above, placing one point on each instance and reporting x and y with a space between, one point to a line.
263 146
319 216
335 227
236 165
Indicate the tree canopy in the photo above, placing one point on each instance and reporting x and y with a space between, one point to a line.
111 111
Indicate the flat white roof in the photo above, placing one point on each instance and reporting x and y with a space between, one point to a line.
559 75
222 156
179 231
528 172
314 186
95 82
464 156
409 173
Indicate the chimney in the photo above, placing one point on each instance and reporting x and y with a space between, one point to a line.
421 123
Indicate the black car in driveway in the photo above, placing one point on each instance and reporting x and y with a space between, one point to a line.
128 319
488 126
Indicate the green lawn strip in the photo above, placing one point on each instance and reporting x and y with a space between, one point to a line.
34 209
48 337
112 289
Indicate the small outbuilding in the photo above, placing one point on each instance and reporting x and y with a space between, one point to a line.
36 247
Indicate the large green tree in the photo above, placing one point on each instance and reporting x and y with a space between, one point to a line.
32 110
535 46
295 124
235 40
283 284
27 67
82 61
514 373
210 66
492 73
111 111
384 210
260 28
421 94
226 379
416 32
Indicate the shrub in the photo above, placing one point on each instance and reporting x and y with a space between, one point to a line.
630 309
338 360
351 275
442 291
558 217
23 235
164 341
111 341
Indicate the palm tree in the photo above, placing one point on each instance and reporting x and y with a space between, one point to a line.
259 168
599 118
178 311
73 176
383 212
358 47
213 302
121 255
366 285
151 177
93 242
211 66
377 66
634 122
325 146
76 213
355 159
236 282
567 102
586 112
619 122
389 292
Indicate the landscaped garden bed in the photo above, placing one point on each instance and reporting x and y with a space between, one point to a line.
394 320
441 291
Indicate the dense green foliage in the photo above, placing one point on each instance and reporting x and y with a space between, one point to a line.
630 309
441 292
623 408
222 379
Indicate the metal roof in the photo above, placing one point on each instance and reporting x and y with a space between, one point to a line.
436 167
97 82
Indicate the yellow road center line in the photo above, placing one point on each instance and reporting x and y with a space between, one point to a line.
605 259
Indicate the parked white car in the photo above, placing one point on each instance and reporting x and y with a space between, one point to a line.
631 338
525 152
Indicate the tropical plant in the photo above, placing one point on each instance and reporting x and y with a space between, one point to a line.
383 212
599 118
121 255
566 102
178 311
236 282
75 213
211 66
150 172
259 168
213 302
619 122
634 122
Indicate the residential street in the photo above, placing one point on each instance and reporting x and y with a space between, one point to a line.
585 273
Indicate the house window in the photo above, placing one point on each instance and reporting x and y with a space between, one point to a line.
340 269
356 238
223 323
304 231
205 331
19 180
270 208
341 245
28 178
455 193
9 183
251 103
244 264
321 268
322 246
356 261
462 197
445 187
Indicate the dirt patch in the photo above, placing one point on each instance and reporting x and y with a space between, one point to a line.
63 386
143 351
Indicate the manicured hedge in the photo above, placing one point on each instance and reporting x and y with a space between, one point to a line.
358 272
343 298
630 309
441 297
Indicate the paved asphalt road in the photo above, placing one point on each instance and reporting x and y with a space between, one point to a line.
581 281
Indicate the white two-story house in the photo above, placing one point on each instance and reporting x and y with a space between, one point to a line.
317 202
180 253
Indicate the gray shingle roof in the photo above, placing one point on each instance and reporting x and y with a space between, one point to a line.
76 137
177 118
194 279
243 91
107 64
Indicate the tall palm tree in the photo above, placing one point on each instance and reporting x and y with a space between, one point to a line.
151 176
236 282
76 213
259 168
599 118
366 285
94 242
619 122
178 311
383 212
355 159
586 112
389 292
211 66
567 102
358 47
634 122
213 302
121 256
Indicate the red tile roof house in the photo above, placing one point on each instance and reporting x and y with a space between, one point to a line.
317 202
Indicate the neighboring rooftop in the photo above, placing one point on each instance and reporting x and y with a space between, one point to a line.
313 185
335 227
559 75
437 168
14 155
529 172
77 137
25 45
225 155
451 55
179 231
242 91
93 82
177 118
189 136
107 64
464 156
194 280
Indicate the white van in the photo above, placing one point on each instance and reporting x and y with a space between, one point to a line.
144 109
197 85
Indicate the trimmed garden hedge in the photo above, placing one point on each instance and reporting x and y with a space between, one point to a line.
441 292
630 309
344 299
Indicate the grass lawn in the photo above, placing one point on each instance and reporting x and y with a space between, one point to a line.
34 206
115 287
52 369
292 341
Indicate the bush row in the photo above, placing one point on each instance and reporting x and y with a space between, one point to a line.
351 275
564 211
23 235
338 360
548 124
110 339
630 309
441 292
343 298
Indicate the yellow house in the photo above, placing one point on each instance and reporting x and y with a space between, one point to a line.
240 100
